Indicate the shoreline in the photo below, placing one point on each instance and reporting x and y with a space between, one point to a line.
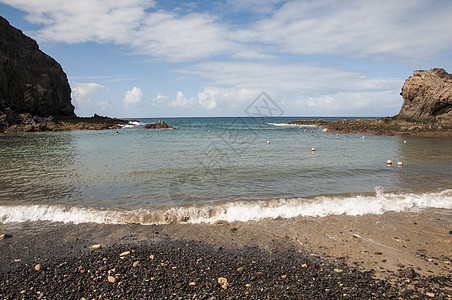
409 251
383 126
28 123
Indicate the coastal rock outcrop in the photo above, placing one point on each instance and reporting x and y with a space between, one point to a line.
32 84
158 125
34 90
427 95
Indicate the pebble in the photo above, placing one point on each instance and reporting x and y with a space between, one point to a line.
338 270
38 267
111 279
241 269
224 282
431 295
97 246
192 283
5 236
136 264
124 253
283 276
151 257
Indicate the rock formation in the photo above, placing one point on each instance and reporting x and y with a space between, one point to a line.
427 95
34 91
158 125
426 110
31 82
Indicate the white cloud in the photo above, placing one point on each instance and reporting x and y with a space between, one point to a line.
160 99
133 97
311 88
181 101
411 30
84 20
82 95
384 30
214 99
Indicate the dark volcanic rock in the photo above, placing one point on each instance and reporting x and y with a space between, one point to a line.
427 95
158 125
31 82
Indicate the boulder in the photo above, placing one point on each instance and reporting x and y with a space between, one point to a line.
427 96
158 125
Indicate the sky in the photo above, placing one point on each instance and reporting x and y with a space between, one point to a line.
151 58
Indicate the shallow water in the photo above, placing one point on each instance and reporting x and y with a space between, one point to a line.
210 162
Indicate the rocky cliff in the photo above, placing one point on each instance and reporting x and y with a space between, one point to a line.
427 95
31 82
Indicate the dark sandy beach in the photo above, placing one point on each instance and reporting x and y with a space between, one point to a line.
395 255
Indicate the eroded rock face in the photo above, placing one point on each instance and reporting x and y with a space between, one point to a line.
427 95
31 82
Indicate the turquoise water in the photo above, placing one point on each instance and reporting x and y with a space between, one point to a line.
212 161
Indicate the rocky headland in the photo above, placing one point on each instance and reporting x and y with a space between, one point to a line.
426 110
34 90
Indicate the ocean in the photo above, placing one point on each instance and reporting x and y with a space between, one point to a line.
213 169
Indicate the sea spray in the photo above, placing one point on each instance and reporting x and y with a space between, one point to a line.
320 206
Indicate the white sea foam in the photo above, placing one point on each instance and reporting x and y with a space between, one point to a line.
136 123
320 206
283 124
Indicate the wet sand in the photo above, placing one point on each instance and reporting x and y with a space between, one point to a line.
411 252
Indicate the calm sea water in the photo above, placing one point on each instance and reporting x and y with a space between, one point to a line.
209 167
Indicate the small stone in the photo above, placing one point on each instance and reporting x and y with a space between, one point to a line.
192 283
284 276
23 291
431 295
151 257
135 264
338 270
111 279
38 267
97 246
304 265
124 253
5 236
240 269
222 280
248 285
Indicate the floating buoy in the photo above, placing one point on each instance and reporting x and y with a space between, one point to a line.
312 149
337 134
364 137
404 142
268 142
389 162
399 164
246 139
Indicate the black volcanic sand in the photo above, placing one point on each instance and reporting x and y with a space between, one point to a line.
159 267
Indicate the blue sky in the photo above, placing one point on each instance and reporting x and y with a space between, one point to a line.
213 58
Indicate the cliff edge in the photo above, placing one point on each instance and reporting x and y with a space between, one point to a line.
34 90
31 82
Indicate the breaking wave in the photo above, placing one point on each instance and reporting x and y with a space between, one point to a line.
320 206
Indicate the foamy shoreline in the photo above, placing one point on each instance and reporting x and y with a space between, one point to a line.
242 211
385 243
